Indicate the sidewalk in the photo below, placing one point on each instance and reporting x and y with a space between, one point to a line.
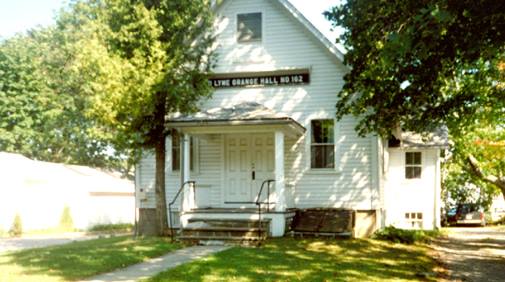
154 266
39 241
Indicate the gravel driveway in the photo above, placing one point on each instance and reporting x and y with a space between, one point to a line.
473 254
14 244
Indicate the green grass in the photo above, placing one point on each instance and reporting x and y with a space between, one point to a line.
80 259
311 260
115 227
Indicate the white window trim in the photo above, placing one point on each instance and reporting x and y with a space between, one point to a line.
196 156
235 24
405 165
337 169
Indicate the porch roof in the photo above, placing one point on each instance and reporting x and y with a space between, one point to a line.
246 115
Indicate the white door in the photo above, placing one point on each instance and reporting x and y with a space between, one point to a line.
262 149
249 160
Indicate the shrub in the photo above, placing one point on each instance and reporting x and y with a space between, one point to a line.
66 222
404 236
500 221
17 227
111 227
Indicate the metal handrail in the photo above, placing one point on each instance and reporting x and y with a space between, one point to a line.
173 202
258 203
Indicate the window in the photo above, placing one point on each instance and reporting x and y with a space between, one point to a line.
176 152
413 165
414 219
249 27
322 147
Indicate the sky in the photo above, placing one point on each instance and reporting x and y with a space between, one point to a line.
21 15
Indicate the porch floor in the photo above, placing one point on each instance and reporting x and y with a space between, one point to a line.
236 210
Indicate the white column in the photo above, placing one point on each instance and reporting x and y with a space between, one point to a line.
188 196
280 189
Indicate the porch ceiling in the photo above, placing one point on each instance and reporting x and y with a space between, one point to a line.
244 117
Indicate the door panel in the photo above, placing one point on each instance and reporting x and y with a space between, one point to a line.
263 161
237 187
245 154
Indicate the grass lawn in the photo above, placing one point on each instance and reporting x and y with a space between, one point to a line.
310 260
78 260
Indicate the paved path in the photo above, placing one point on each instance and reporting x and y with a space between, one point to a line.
39 241
473 254
157 265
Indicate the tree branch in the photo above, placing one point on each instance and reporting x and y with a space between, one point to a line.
477 171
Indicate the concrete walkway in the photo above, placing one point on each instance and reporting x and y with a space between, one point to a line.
39 241
154 266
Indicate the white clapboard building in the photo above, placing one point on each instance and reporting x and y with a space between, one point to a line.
40 191
272 117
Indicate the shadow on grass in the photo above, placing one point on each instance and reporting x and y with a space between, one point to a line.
78 260
309 260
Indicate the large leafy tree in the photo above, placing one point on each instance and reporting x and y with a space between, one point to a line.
424 64
142 60
41 114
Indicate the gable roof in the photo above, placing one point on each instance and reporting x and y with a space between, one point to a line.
297 15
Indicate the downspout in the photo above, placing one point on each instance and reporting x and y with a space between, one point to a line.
436 212
136 211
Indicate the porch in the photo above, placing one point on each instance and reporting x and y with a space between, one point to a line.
252 185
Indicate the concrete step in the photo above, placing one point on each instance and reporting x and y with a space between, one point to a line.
223 233
233 230
221 238
231 223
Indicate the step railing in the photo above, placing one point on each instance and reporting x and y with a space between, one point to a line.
193 185
259 203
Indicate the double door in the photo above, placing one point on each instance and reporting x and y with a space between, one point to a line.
249 160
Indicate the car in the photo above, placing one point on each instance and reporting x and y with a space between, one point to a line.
466 214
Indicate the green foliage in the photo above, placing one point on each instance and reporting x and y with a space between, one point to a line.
43 108
78 260
141 61
500 222
111 227
136 62
17 227
462 184
3 233
422 64
66 221
404 236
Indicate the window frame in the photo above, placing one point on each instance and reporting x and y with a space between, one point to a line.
413 165
414 219
311 145
259 40
194 154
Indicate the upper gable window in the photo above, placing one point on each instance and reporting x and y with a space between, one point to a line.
249 27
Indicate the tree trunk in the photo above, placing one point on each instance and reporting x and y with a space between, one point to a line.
161 203
491 179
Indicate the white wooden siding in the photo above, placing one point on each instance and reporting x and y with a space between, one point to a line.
410 195
286 44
